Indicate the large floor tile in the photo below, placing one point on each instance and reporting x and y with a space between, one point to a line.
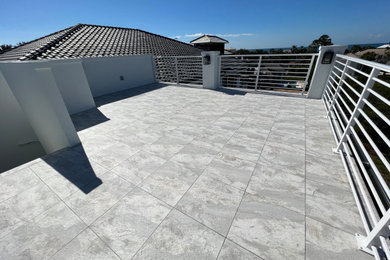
139 166
327 169
92 205
324 242
180 237
232 251
230 170
270 231
128 224
14 182
25 206
42 237
333 205
165 147
170 182
86 246
212 203
194 157
279 185
284 155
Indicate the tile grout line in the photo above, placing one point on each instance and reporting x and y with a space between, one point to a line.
305 182
265 141
174 207
86 225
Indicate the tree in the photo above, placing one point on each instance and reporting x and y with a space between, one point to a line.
356 48
5 47
371 56
324 40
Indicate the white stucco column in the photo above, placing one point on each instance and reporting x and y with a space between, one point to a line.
40 99
210 71
321 71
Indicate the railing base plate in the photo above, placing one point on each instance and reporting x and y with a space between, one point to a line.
360 241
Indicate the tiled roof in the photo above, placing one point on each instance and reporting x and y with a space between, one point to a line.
209 39
83 40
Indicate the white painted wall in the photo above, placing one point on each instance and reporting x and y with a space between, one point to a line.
36 98
18 141
37 93
103 73
73 85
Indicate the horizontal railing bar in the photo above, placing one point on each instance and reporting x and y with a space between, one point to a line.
376 94
334 73
358 71
366 176
341 122
373 125
349 98
381 82
375 252
279 76
366 63
269 55
343 64
338 69
372 164
351 88
345 104
355 80
385 246
361 189
379 113
373 145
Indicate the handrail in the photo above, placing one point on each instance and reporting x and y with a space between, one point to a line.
361 141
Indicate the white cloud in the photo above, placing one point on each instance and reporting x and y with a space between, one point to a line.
194 35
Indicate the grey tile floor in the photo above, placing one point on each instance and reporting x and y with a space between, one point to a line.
185 173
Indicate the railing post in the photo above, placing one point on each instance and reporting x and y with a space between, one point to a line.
342 77
322 70
258 73
308 74
359 105
210 69
381 229
177 72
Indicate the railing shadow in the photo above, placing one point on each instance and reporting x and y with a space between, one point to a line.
74 165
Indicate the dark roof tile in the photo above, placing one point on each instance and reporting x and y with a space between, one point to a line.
83 40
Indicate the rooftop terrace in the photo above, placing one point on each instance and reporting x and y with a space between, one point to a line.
168 172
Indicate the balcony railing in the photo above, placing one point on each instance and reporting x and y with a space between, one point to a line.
357 102
179 69
268 72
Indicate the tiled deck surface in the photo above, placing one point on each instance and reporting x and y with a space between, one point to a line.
185 173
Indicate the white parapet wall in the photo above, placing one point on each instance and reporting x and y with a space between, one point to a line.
112 74
38 97
35 89
18 141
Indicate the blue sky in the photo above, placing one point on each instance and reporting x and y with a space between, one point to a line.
245 23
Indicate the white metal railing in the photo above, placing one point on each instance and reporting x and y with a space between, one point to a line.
179 69
356 98
267 72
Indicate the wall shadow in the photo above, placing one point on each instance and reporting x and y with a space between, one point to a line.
74 165
131 92
88 118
